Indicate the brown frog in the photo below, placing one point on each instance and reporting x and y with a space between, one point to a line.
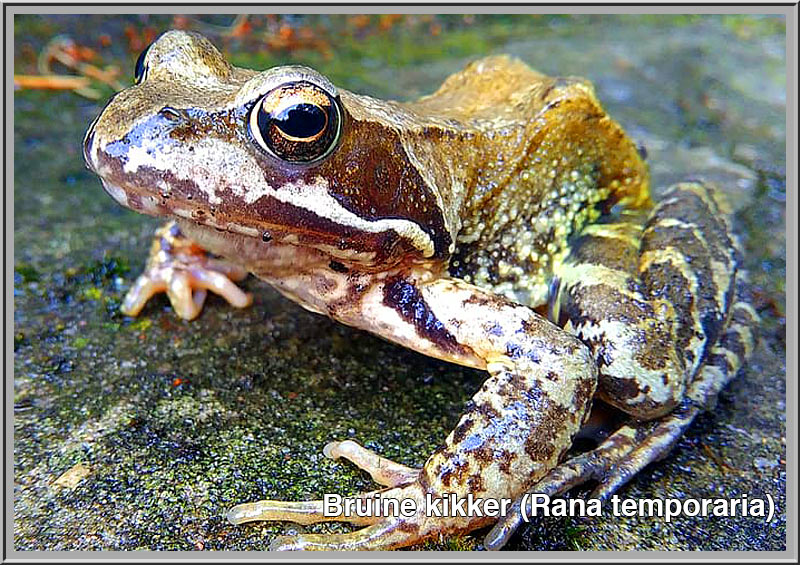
455 225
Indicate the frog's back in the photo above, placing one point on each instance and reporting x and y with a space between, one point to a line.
551 160
497 90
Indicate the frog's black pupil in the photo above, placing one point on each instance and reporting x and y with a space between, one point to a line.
301 120
296 131
138 72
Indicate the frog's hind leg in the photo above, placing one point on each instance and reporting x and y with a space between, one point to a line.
631 448
652 300
654 440
721 365
669 326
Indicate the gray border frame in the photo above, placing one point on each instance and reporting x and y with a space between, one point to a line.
790 11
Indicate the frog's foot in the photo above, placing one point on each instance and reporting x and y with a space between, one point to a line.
515 428
185 272
379 533
386 527
634 446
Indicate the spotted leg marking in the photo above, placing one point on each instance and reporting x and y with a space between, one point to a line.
184 271
515 429
631 448
687 280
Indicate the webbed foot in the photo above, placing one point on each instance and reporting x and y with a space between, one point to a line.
185 272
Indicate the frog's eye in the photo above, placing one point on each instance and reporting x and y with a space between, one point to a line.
298 122
140 70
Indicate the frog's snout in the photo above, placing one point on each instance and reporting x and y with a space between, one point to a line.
91 156
90 153
107 163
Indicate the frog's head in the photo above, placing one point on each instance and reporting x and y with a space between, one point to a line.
277 155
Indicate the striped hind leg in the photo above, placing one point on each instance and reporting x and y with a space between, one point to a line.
651 300
721 365
679 314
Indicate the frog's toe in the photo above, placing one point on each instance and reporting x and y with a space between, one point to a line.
383 535
392 518
185 301
220 284
185 294
383 471
142 290
187 286
185 272
379 510
303 512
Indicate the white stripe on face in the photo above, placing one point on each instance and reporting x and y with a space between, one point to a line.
219 173
315 198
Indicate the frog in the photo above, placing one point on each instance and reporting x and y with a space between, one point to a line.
504 222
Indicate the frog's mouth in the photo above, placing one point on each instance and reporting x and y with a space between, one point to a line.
353 247
158 193
145 201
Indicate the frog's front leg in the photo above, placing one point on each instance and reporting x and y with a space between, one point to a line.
515 429
184 270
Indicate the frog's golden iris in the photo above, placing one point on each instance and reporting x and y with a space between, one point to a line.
296 122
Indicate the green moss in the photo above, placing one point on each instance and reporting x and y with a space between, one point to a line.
575 536
27 272
92 293
452 543
80 342
141 324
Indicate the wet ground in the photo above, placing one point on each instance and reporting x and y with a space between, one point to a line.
141 433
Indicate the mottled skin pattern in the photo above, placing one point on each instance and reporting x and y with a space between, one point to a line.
448 225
